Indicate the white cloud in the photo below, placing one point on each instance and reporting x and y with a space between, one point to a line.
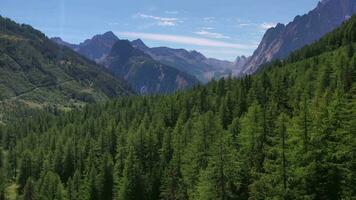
263 26
167 23
162 21
211 34
247 24
220 51
179 39
267 25
207 28
209 19
113 23
172 12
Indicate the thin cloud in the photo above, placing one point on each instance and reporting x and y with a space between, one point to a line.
247 24
211 34
209 19
267 25
179 39
220 51
207 28
113 23
172 12
167 23
161 21
263 26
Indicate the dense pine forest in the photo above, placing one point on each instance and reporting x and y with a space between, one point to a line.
287 132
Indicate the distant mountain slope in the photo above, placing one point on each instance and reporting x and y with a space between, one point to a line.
59 41
96 48
144 74
191 62
280 41
34 69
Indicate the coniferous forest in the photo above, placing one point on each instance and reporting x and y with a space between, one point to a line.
287 132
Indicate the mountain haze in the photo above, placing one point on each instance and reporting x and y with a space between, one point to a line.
192 62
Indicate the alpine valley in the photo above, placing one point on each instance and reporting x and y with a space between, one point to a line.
110 118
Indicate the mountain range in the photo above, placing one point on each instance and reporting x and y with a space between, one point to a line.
144 74
278 42
163 69
190 62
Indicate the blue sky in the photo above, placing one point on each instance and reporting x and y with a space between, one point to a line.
222 29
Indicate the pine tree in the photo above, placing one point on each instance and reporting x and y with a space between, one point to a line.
350 50
68 163
108 182
2 184
131 188
73 186
29 190
275 180
250 147
50 187
173 186
92 185
328 176
119 159
220 179
25 169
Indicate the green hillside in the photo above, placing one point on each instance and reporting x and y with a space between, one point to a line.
35 70
287 132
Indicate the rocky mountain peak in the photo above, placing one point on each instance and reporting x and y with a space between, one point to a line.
280 41
98 47
240 59
108 38
197 55
109 34
139 44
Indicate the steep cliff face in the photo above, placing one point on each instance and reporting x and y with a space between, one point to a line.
144 74
280 41
98 47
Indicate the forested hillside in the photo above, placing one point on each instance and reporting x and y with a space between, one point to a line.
287 132
36 71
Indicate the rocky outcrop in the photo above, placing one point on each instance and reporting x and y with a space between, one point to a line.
280 41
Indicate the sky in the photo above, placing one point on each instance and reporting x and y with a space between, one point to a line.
222 29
